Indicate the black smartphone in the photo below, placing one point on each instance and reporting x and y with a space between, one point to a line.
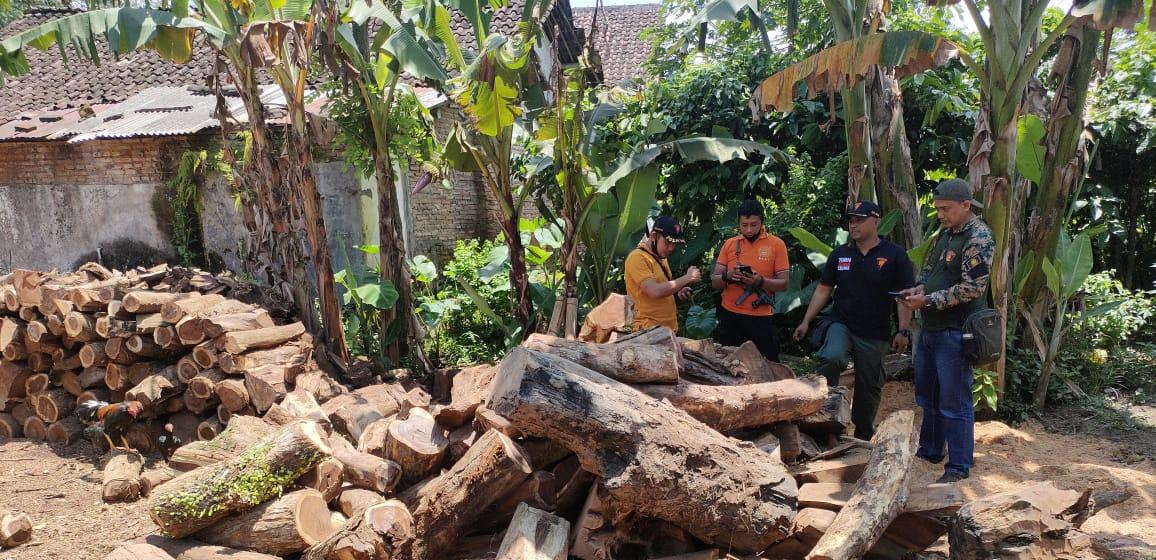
744 269
897 294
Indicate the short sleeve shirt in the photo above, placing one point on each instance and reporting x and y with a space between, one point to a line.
648 311
861 283
766 256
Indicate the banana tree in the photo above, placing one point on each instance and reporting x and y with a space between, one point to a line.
372 64
497 86
244 36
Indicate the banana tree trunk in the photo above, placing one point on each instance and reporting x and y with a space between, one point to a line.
1064 160
997 212
391 253
860 169
519 274
893 170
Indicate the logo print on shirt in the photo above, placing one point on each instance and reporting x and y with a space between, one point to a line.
880 261
844 263
764 254
950 256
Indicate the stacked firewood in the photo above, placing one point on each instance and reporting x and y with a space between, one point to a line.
174 339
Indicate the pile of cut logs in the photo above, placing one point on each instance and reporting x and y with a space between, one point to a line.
642 446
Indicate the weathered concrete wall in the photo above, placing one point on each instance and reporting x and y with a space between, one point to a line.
61 203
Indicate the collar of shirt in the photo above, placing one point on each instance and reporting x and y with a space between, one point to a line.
967 225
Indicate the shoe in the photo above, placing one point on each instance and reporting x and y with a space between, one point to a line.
932 460
950 477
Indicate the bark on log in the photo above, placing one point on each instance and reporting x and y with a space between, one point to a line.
327 478
15 351
833 418
156 547
174 311
209 428
352 412
147 301
70 381
294 357
469 388
1033 522
369 535
81 326
363 470
727 409
64 360
148 324
147 347
629 363
848 468
13 380
120 481
66 431
614 314
655 459
653 335
234 322
243 341
879 496
157 387
453 501
35 429
153 478
54 404
748 362
232 393
535 535
204 384
266 386
200 406
285 525
352 500
417 444
373 437
320 385
15 528
22 412
205 354
241 433
142 370
92 377
202 497
460 440
10 428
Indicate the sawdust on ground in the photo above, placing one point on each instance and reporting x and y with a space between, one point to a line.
60 487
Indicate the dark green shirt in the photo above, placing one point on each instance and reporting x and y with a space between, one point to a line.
956 274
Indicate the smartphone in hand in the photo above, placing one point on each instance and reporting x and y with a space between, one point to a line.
744 269
899 295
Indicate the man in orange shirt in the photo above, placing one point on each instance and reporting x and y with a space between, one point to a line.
750 267
649 280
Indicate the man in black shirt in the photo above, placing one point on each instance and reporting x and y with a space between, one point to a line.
863 271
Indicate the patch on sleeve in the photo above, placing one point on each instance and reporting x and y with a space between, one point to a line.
973 262
978 271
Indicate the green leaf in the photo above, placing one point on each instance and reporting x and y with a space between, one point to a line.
719 150
889 221
1029 147
493 106
398 40
424 269
636 195
1102 309
1023 271
918 254
1053 277
700 322
459 153
381 295
808 240
1076 264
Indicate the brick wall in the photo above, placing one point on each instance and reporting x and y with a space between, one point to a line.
95 162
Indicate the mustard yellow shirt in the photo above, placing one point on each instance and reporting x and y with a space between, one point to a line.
649 312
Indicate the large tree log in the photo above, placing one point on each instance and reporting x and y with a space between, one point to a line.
35 429
1034 522
66 431
327 478
614 314
147 347
655 459
297 405
54 404
233 322
629 363
191 328
81 326
373 437
748 362
92 378
153 478
539 491
369 535
243 341
847 468
174 311
205 354
209 428
469 388
157 387
202 497
204 384
879 496
10 427
198 405
64 360
727 409
833 418
352 412
156 547
417 444
285 525
363 470
453 501
352 500
294 357
187 369
241 433
535 535
232 393
13 376
120 481
320 385
146 301
266 386
15 529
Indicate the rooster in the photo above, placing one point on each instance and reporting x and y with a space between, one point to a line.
114 419
168 442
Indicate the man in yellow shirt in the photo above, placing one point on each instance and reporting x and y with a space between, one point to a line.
750 267
649 280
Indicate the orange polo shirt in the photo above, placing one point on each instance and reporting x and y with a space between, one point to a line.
766 256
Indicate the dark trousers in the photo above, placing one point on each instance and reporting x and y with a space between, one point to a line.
733 329
841 346
943 390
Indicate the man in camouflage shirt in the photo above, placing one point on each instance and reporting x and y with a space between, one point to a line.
953 284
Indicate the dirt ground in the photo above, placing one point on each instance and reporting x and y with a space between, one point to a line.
60 488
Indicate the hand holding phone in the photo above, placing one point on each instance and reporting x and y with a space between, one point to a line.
744 269
900 295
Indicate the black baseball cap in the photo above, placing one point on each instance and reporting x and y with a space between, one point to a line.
957 190
669 228
865 209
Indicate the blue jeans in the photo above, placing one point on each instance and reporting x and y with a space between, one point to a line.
943 390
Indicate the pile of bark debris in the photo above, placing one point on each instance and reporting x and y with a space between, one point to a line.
643 446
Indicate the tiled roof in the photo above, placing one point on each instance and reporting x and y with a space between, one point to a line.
54 85
618 39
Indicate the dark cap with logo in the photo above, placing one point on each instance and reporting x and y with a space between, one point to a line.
865 209
957 190
668 227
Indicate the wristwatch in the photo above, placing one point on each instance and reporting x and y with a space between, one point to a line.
905 332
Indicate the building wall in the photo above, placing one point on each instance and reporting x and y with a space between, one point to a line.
60 203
